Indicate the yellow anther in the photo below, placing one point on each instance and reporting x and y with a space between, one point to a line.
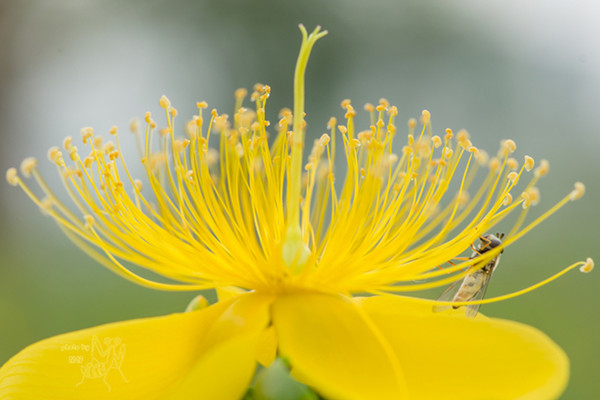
482 157
473 150
578 192
513 176
425 116
392 158
526 200
113 130
363 172
462 135
356 142
534 195
507 147
508 199
67 143
164 131
239 149
407 150
89 160
86 133
529 163
448 152
134 126
241 93
89 221
411 139
97 141
108 147
324 139
512 163
178 146
384 102
54 154
463 198
412 123
309 166
588 266
28 165
449 134
543 169
369 107
164 102
173 112
201 105
138 185
393 111
345 103
437 141
73 153
380 108
331 123
494 164
12 177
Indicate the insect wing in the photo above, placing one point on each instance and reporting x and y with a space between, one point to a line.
473 309
447 295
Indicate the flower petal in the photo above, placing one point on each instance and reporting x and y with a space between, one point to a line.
202 354
333 347
449 356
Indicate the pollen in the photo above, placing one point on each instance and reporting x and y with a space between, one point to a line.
578 192
28 165
12 176
588 266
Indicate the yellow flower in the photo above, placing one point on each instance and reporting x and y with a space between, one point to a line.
288 254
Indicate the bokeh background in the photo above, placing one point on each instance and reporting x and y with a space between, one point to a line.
500 68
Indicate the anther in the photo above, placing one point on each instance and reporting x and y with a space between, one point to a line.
543 169
12 177
67 143
54 154
324 140
494 164
507 147
138 185
164 102
448 152
201 105
534 195
46 204
173 112
526 200
463 136
513 177
508 199
425 116
240 93
588 266
449 134
134 126
28 165
482 157
529 163
512 163
86 133
384 102
345 103
437 141
578 192
89 221
393 111
412 123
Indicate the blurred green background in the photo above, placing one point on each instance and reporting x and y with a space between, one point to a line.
501 69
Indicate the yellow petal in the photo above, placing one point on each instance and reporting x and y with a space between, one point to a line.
203 354
333 347
452 357
267 347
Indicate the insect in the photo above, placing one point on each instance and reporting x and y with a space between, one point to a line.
475 283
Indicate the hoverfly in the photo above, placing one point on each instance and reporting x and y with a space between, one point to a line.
475 283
